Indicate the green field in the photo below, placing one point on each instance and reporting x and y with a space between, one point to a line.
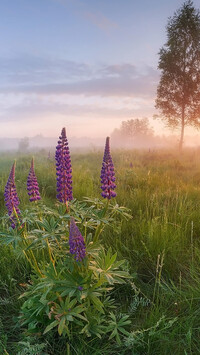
160 242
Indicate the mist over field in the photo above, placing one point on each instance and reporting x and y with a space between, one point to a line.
100 177
89 144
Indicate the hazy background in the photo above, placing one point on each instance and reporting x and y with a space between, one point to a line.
86 65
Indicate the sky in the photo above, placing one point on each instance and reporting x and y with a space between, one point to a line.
86 65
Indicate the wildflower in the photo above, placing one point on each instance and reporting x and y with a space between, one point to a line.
32 184
107 173
63 169
11 198
76 242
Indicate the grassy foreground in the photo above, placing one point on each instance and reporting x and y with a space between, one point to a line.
161 244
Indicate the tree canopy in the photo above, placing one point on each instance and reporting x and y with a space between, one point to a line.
134 132
178 92
136 127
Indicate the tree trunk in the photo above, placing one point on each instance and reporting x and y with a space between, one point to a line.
182 128
181 138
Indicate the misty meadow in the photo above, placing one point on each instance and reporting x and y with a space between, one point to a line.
99 178
100 274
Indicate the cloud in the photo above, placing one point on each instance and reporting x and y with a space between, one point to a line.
34 110
30 69
49 76
96 18
120 70
100 21
36 92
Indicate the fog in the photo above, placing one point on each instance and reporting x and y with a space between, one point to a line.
38 142
155 141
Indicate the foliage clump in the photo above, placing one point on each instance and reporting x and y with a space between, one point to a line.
178 93
73 275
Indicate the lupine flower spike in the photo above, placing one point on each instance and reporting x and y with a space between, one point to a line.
11 198
76 242
63 169
32 185
107 173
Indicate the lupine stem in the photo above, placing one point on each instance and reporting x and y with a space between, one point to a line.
31 255
17 217
99 228
50 256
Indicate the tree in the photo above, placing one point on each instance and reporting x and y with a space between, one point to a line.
23 144
178 93
136 128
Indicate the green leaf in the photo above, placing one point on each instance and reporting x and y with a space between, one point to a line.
122 330
61 326
51 326
97 302
114 333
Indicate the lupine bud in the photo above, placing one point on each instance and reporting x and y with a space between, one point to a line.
11 198
107 173
76 242
32 184
63 169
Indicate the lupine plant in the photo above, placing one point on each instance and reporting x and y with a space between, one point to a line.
107 173
74 274
32 184
11 198
76 242
63 169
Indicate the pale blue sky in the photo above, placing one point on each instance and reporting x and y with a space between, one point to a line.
86 65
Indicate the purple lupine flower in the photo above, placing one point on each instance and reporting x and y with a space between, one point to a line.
63 169
11 198
76 242
32 184
107 173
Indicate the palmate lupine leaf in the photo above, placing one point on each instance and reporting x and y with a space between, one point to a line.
11 237
50 226
64 312
99 210
95 326
63 282
89 216
107 268
117 326
49 232
96 202
92 295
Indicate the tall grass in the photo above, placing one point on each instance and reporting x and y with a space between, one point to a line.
161 243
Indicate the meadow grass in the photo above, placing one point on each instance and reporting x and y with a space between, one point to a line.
161 244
